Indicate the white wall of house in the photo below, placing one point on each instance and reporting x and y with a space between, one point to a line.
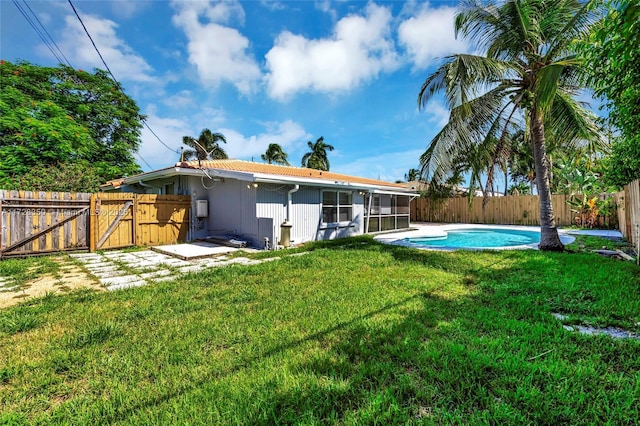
255 212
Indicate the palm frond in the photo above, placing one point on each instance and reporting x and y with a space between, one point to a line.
579 17
461 78
573 124
468 126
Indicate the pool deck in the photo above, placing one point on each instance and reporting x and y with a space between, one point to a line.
439 230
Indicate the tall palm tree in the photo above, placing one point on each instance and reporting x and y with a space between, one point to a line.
275 155
529 75
317 158
206 147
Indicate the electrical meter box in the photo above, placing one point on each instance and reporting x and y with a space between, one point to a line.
202 208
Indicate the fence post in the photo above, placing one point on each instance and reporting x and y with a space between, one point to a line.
93 222
134 220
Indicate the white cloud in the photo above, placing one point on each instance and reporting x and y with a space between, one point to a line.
325 6
125 64
359 49
182 99
273 5
288 134
437 114
429 35
218 52
127 9
170 131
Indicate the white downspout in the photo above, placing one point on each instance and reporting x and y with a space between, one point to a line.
295 188
146 185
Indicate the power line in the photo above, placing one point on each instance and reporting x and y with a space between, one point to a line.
113 76
47 33
41 31
92 42
51 43
143 160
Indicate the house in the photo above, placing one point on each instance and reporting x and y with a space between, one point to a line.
253 200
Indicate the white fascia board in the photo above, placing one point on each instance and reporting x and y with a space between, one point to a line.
262 177
265 178
410 194
186 171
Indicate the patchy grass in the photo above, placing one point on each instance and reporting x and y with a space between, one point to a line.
353 333
19 271
588 242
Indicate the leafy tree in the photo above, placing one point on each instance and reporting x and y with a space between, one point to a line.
613 59
275 155
623 164
66 177
529 75
55 115
520 188
317 158
206 147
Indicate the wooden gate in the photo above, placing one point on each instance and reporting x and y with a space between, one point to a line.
127 219
43 222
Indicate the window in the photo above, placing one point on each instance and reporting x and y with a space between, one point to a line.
385 212
336 207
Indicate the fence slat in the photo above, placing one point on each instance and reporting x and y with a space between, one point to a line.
507 210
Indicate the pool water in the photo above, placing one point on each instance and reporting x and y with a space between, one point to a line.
475 238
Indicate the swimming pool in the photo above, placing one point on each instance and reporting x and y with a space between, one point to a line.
474 239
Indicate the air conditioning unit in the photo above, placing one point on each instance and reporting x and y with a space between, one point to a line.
202 208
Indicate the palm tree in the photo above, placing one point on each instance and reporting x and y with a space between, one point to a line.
206 147
275 155
413 175
528 76
317 158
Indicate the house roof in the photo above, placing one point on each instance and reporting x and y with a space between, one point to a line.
259 172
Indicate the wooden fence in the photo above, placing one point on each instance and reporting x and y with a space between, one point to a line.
45 222
629 212
509 210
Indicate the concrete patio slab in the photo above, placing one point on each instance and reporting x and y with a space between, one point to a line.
195 250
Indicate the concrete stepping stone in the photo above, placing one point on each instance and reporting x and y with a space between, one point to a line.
82 256
166 278
191 268
155 274
126 285
119 280
107 274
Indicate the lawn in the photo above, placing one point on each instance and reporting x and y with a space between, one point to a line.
354 332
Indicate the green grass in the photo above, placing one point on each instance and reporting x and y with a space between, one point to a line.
352 333
588 242
22 270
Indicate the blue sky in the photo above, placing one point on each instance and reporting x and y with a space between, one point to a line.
261 72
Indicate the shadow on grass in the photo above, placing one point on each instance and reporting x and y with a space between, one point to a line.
475 358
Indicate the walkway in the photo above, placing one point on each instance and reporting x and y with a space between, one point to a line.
116 270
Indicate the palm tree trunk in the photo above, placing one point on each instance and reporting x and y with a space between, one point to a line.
549 239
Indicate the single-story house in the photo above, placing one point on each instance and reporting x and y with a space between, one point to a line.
253 200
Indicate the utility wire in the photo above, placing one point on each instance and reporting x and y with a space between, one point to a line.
143 160
113 76
47 33
59 55
93 43
30 20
